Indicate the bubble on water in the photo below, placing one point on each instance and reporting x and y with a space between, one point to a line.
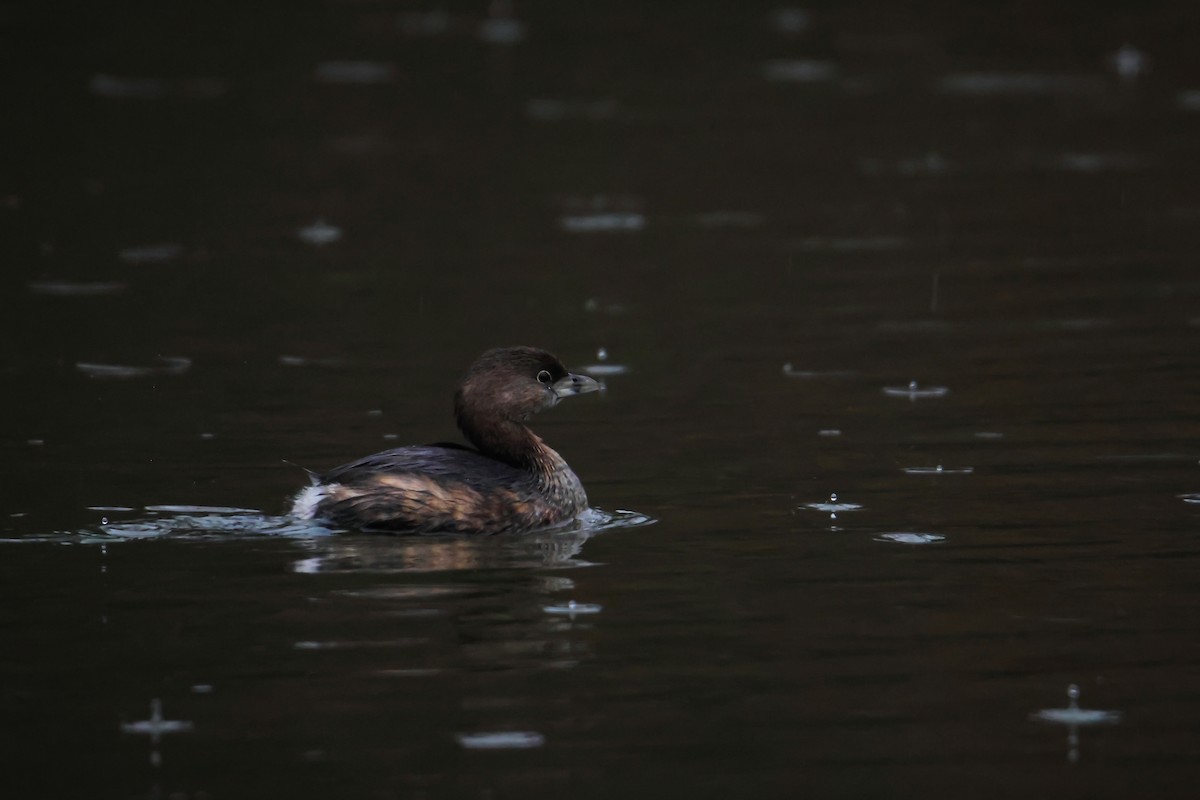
601 354
104 520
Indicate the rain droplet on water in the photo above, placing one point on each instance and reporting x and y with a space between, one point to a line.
914 391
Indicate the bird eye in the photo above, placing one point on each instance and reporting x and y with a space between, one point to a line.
544 378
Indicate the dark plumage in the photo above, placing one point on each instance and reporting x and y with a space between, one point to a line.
511 481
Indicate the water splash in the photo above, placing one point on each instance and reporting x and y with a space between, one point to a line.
1073 718
729 219
790 371
1020 83
834 506
428 23
76 289
1129 63
938 470
355 72
501 740
1074 715
574 609
319 234
123 88
927 165
179 522
790 21
1188 100
156 726
167 365
151 253
603 370
905 537
502 26
304 361
799 71
117 87
602 223
545 109
855 244
915 391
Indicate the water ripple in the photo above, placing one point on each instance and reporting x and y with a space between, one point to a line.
371 552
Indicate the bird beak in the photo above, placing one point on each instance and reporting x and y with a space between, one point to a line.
572 384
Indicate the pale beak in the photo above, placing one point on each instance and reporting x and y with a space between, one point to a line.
571 384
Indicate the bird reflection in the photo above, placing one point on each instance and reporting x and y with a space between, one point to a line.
387 554
464 602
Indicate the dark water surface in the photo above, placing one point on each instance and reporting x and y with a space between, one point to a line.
236 235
